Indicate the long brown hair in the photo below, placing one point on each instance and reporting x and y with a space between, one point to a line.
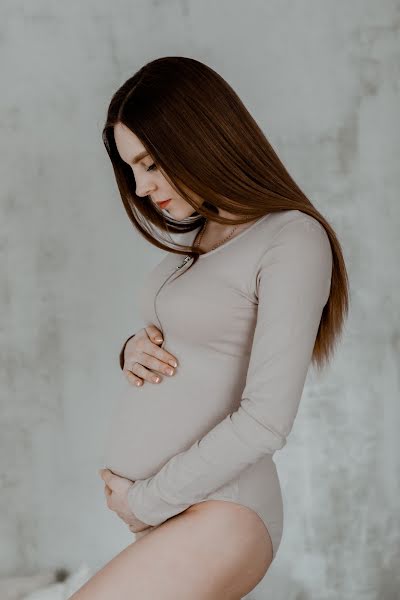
201 136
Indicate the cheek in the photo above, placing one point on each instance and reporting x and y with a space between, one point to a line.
165 184
163 181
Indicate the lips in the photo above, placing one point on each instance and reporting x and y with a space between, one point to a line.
164 203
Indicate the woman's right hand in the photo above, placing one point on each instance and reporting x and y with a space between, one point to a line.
144 360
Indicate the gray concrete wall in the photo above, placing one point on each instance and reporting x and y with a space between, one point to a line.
322 79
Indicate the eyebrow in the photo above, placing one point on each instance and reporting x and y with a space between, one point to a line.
139 157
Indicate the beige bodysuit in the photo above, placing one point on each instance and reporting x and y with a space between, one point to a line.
242 323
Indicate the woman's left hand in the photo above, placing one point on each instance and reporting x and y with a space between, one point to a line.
116 493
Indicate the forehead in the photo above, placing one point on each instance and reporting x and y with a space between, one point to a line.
128 144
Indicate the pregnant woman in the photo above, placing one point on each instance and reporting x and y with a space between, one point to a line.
252 293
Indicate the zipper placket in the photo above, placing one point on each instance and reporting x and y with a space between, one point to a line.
174 272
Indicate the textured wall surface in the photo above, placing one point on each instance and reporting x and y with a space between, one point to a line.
322 80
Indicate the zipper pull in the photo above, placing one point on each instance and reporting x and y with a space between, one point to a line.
187 258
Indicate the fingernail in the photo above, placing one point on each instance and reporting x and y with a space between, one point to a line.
158 339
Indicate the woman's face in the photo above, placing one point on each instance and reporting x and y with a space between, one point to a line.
149 179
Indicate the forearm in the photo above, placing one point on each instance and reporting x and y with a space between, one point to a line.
293 279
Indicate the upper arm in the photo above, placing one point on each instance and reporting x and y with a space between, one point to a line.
293 280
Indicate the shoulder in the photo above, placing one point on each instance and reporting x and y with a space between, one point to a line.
295 231
292 248
285 221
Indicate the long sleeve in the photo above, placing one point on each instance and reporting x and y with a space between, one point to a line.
292 283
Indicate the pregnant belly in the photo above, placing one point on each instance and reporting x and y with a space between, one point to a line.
152 423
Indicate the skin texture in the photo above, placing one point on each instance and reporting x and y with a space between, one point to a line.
214 549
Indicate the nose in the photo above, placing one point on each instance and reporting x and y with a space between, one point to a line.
143 191
144 187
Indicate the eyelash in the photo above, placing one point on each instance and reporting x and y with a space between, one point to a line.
151 167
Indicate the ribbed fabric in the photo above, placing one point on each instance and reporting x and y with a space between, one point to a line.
242 322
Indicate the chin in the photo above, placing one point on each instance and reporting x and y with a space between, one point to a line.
179 213
176 214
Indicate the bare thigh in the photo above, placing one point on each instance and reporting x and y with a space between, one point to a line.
215 549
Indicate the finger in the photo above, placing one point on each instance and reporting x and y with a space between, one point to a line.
109 501
140 370
155 337
103 472
108 477
154 334
132 529
157 361
132 378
